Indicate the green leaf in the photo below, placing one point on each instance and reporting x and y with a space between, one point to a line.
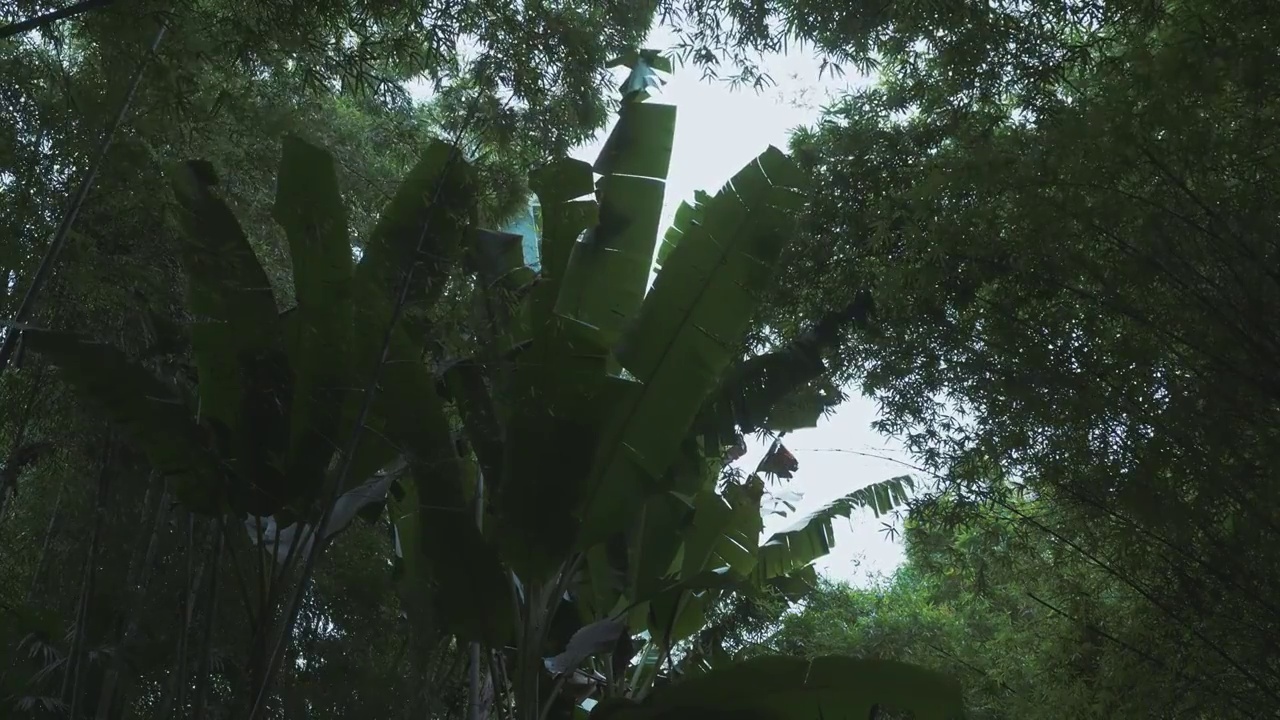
654 58
497 257
687 333
229 296
677 615
309 207
423 229
564 217
431 211
150 411
441 545
725 532
466 383
561 388
686 215
604 283
236 336
776 390
803 408
813 536
449 564
656 542
604 585
785 688
640 143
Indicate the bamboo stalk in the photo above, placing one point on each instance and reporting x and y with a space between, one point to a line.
50 18
211 612
474 673
43 560
139 575
71 677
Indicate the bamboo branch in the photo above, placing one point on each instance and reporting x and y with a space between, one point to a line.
50 18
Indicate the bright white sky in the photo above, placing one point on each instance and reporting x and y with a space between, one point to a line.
718 131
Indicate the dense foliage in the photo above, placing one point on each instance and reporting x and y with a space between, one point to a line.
1065 217
307 285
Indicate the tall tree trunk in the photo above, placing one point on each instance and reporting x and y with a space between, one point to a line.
139 575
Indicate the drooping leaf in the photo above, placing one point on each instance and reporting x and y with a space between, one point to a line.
813 536
592 639
774 390
780 502
151 412
280 540
785 688
778 461
804 408
797 584
309 207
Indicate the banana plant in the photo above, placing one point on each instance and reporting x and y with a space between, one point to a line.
285 428
599 410
594 410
